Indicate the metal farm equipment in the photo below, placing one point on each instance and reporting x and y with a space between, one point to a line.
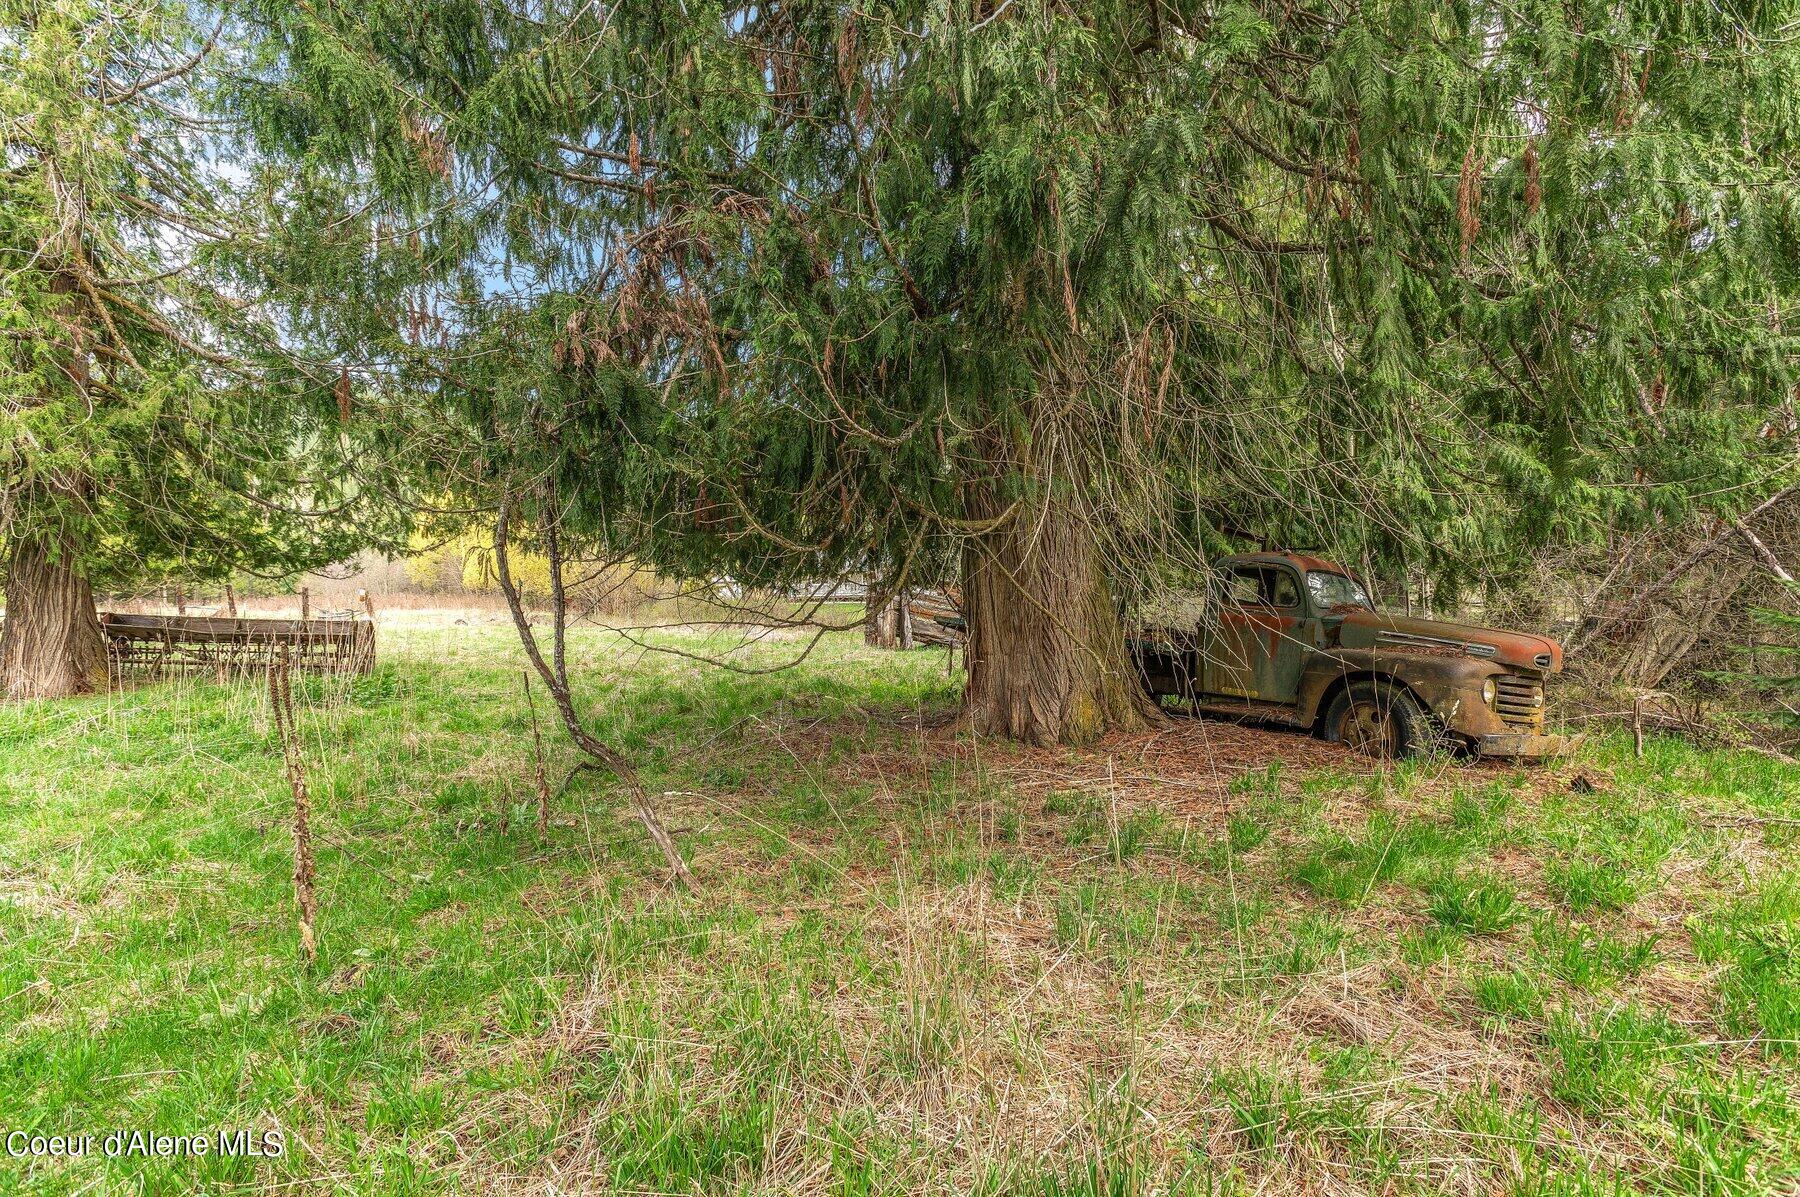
166 645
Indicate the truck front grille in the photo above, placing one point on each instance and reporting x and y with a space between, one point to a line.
1520 701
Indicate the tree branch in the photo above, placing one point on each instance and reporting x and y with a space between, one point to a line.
162 77
556 682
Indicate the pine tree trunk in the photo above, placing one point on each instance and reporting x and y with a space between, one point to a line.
52 645
879 630
1046 650
903 627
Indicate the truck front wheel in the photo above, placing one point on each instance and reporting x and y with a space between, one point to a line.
1379 719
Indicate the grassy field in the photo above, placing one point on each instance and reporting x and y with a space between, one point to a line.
1169 964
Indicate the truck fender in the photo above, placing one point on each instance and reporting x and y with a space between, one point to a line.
1324 679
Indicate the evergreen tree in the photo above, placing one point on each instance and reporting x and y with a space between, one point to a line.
1780 680
151 421
1062 298
1774 675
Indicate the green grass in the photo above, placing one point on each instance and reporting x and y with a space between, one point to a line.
910 966
1479 906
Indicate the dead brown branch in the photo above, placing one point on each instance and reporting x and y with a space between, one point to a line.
281 703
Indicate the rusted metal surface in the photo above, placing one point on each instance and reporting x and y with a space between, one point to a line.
160 645
1268 647
1513 744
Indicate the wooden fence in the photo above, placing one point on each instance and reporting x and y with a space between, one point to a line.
162 645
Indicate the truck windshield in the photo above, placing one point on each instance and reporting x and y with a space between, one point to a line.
1330 591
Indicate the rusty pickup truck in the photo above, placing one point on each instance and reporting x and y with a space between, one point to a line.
1296 639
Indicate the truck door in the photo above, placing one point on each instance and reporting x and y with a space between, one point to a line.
1254 648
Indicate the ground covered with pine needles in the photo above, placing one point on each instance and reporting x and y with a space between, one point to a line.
1202 960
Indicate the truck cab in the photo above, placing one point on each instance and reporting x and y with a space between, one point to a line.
1297 639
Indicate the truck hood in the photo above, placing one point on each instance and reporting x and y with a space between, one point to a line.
1368 629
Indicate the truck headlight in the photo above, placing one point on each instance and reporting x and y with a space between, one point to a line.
1489 690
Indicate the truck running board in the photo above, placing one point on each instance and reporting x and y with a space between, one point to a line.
1245 708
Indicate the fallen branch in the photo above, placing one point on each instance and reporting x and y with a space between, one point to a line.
1645 596
1763 553
1750 821
1774 754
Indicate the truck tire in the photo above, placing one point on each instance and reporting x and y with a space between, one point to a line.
1380 719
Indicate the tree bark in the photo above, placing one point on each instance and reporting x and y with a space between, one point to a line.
52 645
903 628
879 629
1046 653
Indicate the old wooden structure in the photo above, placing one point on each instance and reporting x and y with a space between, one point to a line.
166 645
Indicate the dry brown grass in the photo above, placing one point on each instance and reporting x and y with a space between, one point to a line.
938 964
